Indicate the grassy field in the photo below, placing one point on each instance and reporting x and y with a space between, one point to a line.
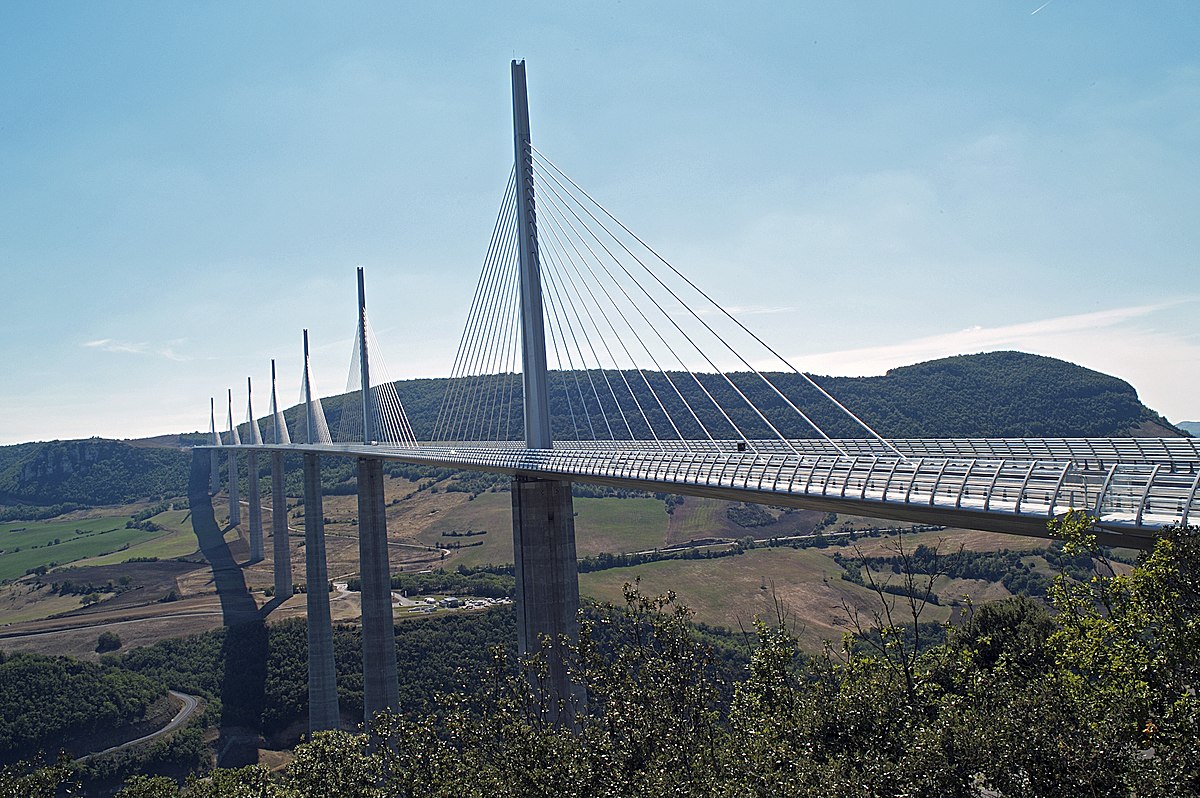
733 591
612 525
619 525
28 544
176 540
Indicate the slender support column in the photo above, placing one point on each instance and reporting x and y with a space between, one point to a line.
235 499
380 686
543 516
235 504
279 529
255 499
547 598
364 369
323 712
533 333
214 463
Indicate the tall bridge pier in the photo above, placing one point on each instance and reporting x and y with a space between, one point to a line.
255 497
235 504
323 710
280 546
255 511
547 594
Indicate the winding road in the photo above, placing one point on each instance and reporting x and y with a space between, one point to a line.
190 704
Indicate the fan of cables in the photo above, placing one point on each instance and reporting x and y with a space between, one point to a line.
638 353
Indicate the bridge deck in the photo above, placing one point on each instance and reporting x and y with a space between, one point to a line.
1000 485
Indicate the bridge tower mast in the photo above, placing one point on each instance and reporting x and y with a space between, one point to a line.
547 595
381 687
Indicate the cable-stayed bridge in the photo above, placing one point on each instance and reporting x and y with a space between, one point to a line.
586 356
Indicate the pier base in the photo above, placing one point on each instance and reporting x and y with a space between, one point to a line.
380 685
547 597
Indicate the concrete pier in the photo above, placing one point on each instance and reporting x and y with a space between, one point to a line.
380 688
323 711
547 599
255 501
280 546
235 500
214 472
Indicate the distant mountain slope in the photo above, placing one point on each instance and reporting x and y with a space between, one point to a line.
992 395
1192 427
999 394
88 472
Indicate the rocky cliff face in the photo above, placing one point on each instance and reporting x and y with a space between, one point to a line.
60 462
89 472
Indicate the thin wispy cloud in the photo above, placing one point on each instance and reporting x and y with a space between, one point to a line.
747 310
135 348
1121 341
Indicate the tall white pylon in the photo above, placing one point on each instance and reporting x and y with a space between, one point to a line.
316 428
255 433
279 430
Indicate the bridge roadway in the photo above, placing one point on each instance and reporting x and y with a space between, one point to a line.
1132 486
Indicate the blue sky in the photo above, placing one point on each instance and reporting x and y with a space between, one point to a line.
183 187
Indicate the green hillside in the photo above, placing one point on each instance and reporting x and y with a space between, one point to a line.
991 395
998 394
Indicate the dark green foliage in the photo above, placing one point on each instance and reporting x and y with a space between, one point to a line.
1015 629
90 472
749 515
995 394
47 701
453 583
1006 567
176 755
108 641
604 561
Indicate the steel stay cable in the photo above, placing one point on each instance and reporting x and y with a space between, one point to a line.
604 341
724 312
479 342
460 380
554 336
733 385
487 380
633 361
642 341
555 300
567 305
653 327
500 215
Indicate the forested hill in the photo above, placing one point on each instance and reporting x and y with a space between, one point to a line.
47 478
999 394
992 395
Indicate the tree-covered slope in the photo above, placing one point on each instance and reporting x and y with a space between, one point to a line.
991 395
89 472
998 394
47 701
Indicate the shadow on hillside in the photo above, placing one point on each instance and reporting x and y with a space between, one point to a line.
237 605
244 650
